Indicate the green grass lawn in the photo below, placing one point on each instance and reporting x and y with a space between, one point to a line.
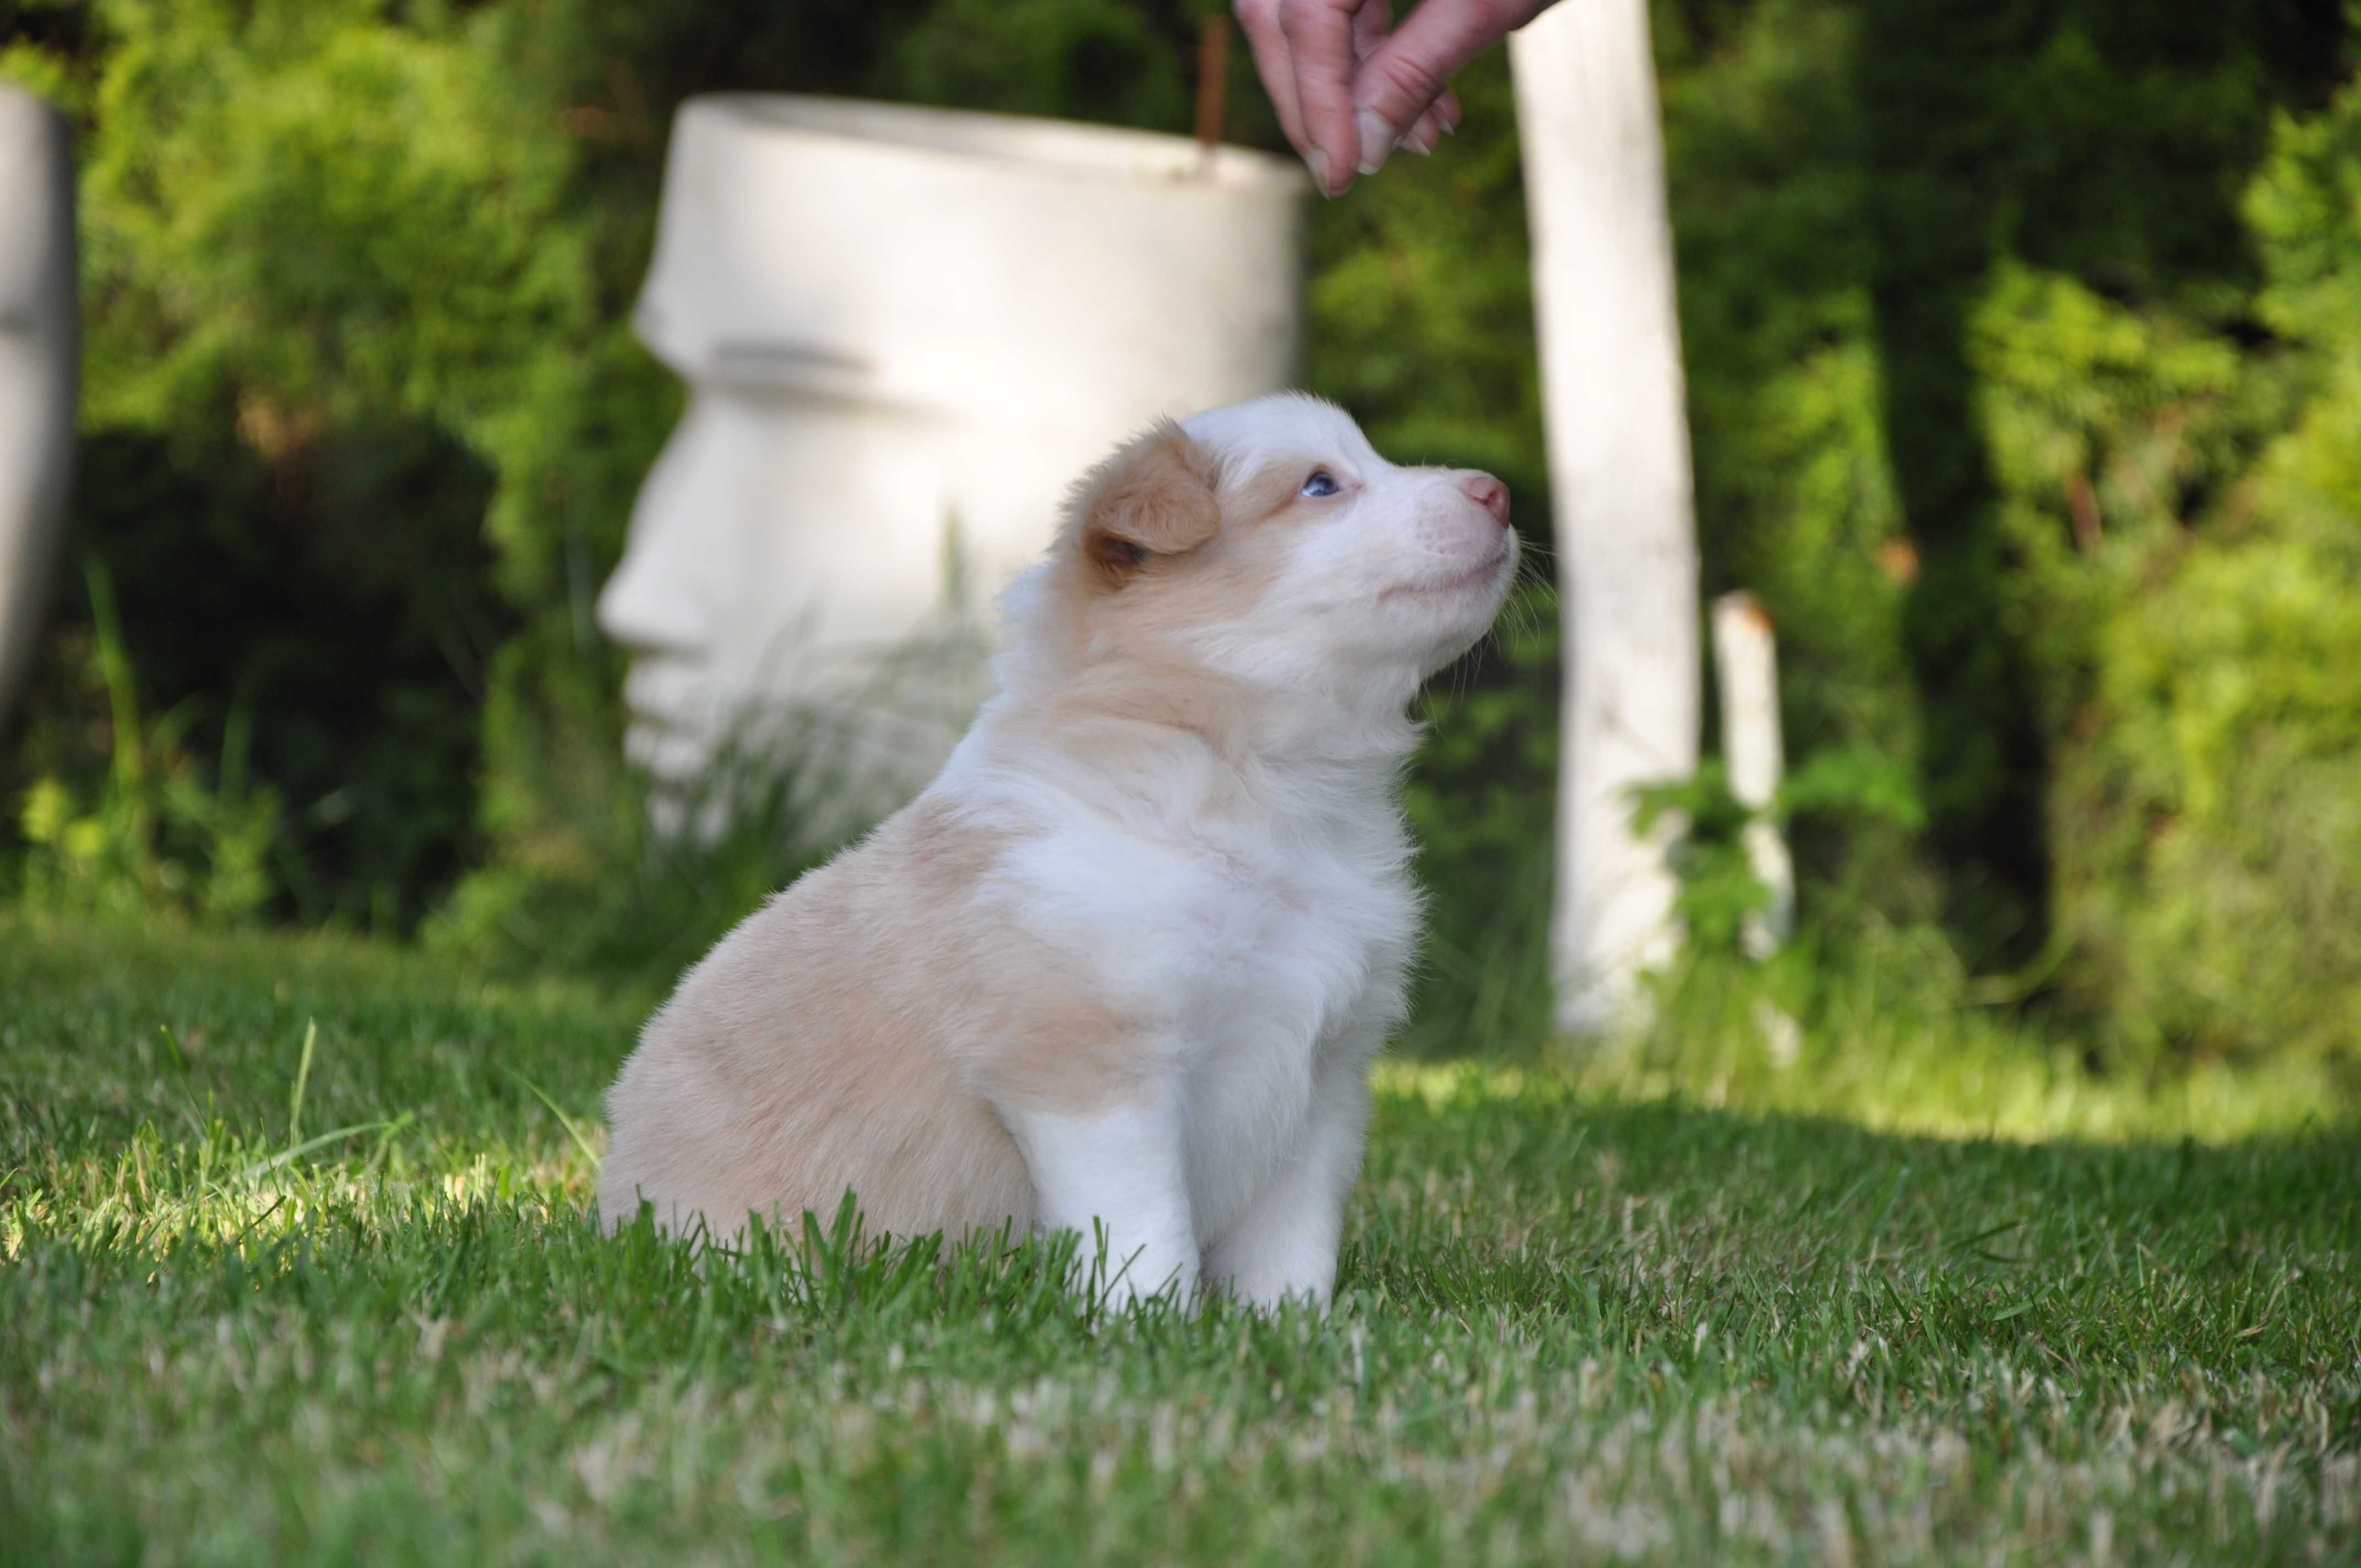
252 1312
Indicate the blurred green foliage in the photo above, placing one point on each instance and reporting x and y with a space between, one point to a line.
2024 341
1720 887
153 837
2084 480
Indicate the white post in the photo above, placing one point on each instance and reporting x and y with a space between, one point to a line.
1619 452
1746 664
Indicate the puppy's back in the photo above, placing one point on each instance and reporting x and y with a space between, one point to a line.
822 1047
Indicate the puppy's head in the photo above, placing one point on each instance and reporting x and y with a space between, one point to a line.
1268 543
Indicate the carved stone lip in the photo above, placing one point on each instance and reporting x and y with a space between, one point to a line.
661 689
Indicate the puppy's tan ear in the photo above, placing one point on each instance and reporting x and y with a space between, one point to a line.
1153 498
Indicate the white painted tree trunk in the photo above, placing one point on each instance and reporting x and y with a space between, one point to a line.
1619 452
1746 668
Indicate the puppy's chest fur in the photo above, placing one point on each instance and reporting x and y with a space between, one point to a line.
1264 956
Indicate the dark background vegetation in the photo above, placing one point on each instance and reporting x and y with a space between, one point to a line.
2024 342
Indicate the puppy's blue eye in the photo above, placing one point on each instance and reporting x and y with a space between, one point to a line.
1322 483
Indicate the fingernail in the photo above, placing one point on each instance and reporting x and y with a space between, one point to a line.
1377 140
1317 161
1422 145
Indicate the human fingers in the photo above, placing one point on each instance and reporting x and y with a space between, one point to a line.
1258 19
1411 73
1371 24
1320 48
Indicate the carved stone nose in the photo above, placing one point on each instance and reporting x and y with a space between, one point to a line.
1488 493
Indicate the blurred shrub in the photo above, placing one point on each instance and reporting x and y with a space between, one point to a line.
335 311
2214 790
349 646
148 834
2145 217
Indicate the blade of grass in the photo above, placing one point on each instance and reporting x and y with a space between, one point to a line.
565 1121
303 1079
263 1166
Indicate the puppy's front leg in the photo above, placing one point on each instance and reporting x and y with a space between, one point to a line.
1120 1169
1286 1247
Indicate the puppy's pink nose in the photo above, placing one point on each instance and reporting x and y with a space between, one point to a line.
1488 493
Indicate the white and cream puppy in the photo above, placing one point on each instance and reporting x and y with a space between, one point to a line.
1122 968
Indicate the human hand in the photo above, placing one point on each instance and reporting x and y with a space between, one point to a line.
1349 88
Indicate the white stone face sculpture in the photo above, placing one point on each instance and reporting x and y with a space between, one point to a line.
905 332
39 360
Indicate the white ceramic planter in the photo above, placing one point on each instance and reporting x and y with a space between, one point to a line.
39 360
905 332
